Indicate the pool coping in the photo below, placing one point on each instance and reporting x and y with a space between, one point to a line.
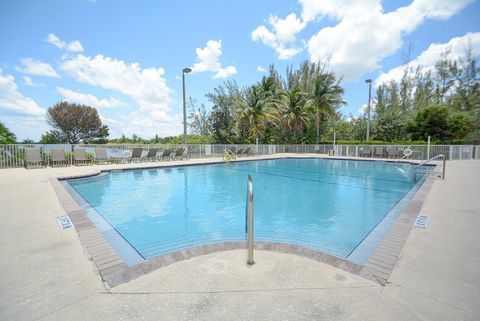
114 271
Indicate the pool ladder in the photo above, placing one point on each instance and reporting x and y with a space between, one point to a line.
249 221
417 168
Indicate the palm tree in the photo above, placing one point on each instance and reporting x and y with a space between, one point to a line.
293 108
255 108
325 97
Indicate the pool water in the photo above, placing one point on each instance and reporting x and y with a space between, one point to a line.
324 204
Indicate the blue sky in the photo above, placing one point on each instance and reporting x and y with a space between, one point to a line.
125 57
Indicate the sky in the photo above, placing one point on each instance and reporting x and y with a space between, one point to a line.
125 58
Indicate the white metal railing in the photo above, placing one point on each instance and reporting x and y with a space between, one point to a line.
249 220
11 155
418 168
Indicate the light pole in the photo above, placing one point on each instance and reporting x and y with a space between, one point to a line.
369 82
185 137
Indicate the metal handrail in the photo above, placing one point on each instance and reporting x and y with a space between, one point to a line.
417 170
249 220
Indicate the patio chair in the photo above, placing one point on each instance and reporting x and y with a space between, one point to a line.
80 157
179 153
166 154
58 157
378 151
101 155
366 152
392 152
136 154
241 152
152 154
33 157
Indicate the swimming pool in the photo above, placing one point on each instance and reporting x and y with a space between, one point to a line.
323 204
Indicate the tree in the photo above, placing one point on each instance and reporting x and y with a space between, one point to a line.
325 97
199 122
389 126
52 137
294 111
436 122
255 109
77 123
6 136
223 99
459 125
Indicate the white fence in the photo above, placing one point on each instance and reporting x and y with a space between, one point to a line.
12 155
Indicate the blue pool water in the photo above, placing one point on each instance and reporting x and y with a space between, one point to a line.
329 205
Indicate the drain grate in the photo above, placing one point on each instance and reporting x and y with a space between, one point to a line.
422 221
64 222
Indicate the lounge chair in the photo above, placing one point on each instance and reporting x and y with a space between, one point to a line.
366 152
33 157
136 154
247 151
241 152
166 154
378 151
152 154
392 152
58 157
179 153
80 157
101 155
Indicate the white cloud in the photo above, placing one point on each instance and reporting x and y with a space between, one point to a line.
209 60
283 35
75 45
29 82
361 35
364 109
25 126
37 68
365 34
89 99
146 86
158 123
13 102
427 59
225 72
261 69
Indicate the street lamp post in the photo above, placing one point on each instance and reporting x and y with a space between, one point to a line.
369 82
185 137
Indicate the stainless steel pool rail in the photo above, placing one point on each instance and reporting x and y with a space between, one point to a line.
249 220
417 168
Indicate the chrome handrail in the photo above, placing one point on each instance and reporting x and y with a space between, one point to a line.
249 220
416 170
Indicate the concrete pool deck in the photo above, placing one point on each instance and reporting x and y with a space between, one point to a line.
47 275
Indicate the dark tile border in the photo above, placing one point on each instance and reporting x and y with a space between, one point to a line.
384 258
114 271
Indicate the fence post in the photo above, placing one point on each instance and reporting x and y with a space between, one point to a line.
450 152
428 147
